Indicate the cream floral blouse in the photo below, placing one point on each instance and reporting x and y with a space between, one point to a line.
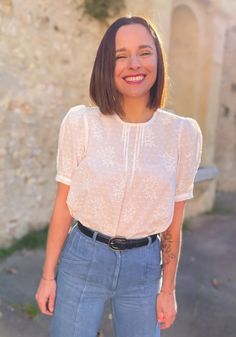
125 177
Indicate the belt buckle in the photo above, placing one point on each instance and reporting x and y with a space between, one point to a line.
116 240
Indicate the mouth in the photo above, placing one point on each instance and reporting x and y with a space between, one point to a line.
134 79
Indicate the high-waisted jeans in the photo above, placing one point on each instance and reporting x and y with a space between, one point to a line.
90 273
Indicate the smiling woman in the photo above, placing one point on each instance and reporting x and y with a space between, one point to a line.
131 46
136 63
124 170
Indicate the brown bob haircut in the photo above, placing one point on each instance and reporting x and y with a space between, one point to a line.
102 86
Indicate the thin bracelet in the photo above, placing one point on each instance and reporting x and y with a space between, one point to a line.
48 279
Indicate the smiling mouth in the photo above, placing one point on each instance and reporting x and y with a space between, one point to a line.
134 79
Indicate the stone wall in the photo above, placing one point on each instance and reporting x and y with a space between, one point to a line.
46 51
226 130
201 61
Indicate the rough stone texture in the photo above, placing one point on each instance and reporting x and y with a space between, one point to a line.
47 50
199 84
226 131
46 55
44 68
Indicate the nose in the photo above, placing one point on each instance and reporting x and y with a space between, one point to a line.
134 62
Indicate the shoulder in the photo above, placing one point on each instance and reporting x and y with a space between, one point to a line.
180 123
171 117
77 113
191 128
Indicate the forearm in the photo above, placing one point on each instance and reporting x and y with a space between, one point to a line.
58 230
171 246
171 241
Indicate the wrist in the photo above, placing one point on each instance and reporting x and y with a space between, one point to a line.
48 273
167 291
48 279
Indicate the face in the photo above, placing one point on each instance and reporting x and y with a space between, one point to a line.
136 61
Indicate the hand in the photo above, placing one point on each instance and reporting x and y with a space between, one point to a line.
45 296
166 309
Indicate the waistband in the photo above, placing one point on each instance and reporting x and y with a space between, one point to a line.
116 242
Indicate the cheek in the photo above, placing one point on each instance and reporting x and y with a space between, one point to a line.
118 69
153 66
153 69
118 75
117 83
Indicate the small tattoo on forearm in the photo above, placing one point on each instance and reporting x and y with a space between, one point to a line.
167 252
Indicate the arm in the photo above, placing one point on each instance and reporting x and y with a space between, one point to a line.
171 245
57 233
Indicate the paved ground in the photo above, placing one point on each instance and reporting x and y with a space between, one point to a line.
206 282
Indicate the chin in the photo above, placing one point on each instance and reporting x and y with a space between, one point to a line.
135 94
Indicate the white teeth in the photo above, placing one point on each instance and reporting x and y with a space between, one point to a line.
135 78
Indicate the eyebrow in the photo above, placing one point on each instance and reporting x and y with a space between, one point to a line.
142 46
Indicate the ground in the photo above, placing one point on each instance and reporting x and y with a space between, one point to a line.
206 283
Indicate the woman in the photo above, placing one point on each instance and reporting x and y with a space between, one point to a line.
125 169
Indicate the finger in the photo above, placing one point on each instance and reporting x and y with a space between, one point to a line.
51 303
43 308
166 324
47 312
160 317
162 322
162 325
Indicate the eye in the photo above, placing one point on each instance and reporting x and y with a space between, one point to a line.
145 53
118 57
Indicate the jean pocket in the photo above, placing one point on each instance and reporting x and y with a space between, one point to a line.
77 256
78 247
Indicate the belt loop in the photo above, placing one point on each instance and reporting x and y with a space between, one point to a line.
149 240
95 235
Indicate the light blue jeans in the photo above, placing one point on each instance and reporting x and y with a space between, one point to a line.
90 273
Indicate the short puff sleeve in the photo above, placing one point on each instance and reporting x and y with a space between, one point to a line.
71 143
190 150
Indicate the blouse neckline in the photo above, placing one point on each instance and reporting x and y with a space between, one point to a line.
149 121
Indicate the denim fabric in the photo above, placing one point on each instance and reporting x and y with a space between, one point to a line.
90 273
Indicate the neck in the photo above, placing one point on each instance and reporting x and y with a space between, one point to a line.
136 110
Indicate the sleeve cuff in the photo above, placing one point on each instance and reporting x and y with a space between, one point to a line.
63 180
185 196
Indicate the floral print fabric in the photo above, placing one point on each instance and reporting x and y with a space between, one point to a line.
125 177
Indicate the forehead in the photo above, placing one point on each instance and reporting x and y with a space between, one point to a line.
134 34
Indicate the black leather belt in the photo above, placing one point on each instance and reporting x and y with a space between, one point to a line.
116 242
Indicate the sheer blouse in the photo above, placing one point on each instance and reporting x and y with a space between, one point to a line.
125 177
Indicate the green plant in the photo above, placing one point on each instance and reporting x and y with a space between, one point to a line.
103 9
31 310
32 240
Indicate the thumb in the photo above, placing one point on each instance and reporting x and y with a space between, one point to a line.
51 302
160 317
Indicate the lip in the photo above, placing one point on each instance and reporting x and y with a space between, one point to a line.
134 78
134 75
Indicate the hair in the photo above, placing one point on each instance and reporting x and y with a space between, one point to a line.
102 85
